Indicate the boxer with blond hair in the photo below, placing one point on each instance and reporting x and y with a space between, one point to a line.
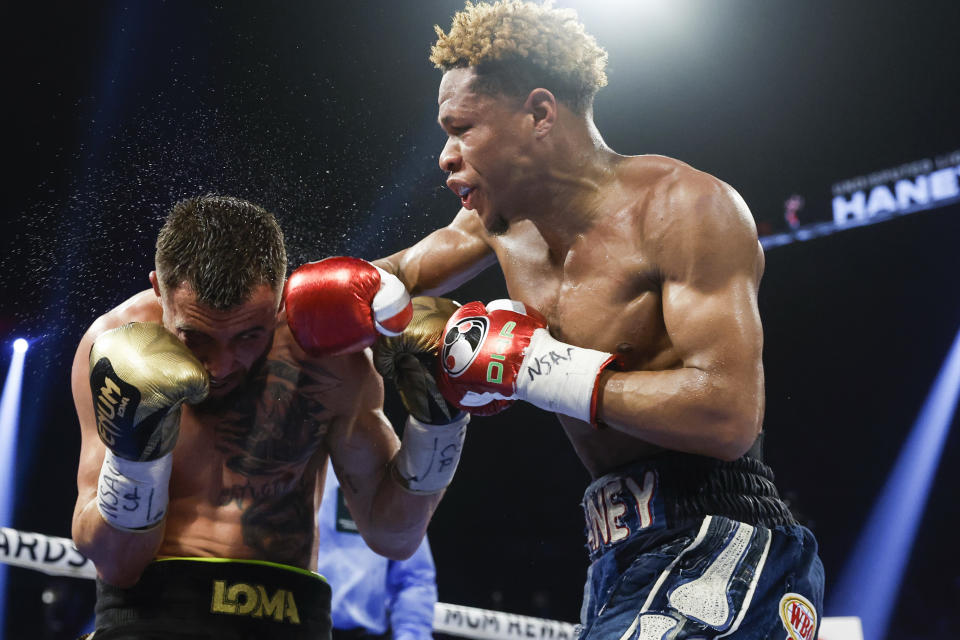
633 317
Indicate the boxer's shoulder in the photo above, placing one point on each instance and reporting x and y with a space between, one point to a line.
680 204
651 171
661 177
141 307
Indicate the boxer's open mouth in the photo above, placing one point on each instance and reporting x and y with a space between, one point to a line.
220 383
463 191
465 197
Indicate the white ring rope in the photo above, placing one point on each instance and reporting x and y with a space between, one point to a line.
59 557
46 554
484 624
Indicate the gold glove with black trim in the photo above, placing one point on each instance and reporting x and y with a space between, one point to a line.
434 433
140 375
410 360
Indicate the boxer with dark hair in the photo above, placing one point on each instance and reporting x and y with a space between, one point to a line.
207 429
634 317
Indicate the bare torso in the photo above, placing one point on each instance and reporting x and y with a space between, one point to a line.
248 471
604 293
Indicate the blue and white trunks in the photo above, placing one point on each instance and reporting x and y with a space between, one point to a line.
686 547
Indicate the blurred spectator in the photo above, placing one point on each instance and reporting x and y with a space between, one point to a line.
791 210
373 596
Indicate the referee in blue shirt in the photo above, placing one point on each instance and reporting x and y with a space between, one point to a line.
373 596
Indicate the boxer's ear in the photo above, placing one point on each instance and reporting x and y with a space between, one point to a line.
282 302
543 106
155 283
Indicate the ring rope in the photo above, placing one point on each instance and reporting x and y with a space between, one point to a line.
60 557
484 624
46 554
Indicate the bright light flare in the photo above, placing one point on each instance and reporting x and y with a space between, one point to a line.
869 583
631 18
9 420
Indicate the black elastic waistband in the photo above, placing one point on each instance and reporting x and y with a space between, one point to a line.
743 490
676 490
196 597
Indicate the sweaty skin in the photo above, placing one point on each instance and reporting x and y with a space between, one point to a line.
249 462
642 256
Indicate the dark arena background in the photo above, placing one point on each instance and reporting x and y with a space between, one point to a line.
837 122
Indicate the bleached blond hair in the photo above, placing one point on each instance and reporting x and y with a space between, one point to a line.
517 46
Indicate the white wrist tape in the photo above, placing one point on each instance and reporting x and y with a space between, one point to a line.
132 496
560 377
429 454
391 299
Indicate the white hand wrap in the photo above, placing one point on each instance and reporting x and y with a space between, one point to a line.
132 496
429 454
560 377
391 299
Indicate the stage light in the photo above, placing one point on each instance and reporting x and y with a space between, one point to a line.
650 29
869 583
9 418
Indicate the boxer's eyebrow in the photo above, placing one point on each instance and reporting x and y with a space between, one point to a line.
187 327
447 120
251 331
258 327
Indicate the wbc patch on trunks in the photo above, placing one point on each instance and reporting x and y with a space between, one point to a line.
799 616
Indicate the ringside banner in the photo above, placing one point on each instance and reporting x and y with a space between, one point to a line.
919 185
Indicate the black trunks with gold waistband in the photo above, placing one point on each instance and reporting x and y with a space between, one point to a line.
183 598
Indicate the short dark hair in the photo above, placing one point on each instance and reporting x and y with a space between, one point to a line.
222 247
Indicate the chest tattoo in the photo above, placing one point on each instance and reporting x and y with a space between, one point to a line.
267 435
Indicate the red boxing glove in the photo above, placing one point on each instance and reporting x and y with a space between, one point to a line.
494 354
339 305
475 353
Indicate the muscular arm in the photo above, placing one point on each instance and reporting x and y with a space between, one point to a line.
119 556
362 443
445 259
711 265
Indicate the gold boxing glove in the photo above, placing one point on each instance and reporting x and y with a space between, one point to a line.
140 374
410 360
434 433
